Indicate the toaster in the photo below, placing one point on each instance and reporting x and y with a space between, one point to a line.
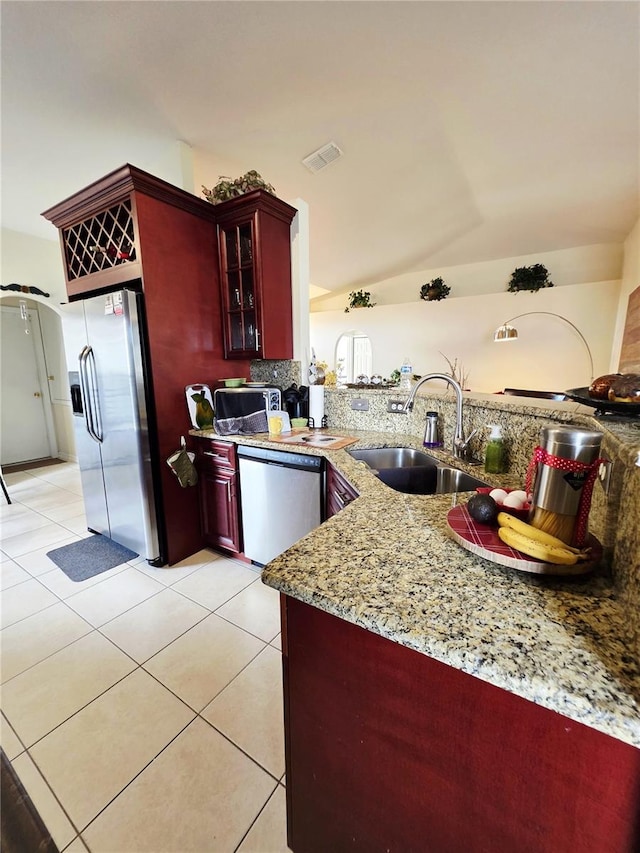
245 400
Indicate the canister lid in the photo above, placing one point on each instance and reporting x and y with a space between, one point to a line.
571 442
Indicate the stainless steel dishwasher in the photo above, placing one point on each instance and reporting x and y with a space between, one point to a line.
281 499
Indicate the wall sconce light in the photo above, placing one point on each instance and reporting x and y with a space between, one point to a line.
505 332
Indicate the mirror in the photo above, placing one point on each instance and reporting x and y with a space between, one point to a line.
354 356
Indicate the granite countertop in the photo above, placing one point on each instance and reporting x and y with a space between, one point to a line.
387 563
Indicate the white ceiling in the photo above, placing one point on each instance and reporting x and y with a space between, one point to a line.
470 130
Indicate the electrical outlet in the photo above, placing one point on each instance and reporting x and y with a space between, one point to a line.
360 404
396 406
604 474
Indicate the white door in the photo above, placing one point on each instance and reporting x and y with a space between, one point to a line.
26 424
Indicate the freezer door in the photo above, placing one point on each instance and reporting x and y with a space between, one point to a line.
113 334
87 449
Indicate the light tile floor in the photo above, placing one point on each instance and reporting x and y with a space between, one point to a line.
141 709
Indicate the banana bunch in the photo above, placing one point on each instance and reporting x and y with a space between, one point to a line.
537 543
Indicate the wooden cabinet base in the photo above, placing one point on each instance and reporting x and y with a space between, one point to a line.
389 750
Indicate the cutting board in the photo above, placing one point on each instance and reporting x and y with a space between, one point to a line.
483 540
313 438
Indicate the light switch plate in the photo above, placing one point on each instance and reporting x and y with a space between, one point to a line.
360 404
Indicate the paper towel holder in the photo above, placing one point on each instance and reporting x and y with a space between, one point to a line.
323 423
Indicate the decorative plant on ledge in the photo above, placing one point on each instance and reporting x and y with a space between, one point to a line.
227 188
435 290
359 299
529 278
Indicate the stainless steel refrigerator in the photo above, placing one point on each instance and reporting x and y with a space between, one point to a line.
111 403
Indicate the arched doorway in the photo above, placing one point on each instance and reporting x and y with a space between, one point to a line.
34 394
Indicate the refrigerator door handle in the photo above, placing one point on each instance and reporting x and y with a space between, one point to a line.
87 370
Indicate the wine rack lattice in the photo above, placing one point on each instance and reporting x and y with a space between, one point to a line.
102 242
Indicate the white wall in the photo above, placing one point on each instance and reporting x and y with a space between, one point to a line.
548 355
566 266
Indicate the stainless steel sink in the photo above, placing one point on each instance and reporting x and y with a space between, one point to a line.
414 472
393 457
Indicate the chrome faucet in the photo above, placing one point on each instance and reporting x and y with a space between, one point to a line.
459 443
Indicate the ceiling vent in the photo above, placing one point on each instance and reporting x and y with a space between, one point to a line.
323 157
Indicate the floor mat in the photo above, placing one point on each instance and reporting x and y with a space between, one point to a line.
91 556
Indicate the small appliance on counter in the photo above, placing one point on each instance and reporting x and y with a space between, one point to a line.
245 400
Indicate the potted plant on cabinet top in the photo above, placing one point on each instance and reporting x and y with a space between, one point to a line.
227 188
435 290
529 278
359 299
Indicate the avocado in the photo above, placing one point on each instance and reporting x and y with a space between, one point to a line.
483 508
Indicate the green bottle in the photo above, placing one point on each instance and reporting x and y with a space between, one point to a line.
494 458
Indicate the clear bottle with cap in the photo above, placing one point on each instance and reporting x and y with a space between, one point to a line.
494 457
406 372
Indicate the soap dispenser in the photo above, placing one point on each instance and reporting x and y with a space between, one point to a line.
494 459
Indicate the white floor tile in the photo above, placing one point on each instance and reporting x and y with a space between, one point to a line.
37 563
150 626
210 793
11 574
76 524
9 740
269 833
215 583
169 575
21 524
119 733
23 600
256 609
201 662
109 599
68 510
249 711
37 637
60 827
38 700
49 496
49 534
61 584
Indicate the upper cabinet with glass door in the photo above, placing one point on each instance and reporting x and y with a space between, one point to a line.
255 275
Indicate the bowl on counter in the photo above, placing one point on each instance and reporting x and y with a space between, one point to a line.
296 423
234 383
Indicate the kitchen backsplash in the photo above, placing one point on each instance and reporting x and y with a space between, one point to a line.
281 373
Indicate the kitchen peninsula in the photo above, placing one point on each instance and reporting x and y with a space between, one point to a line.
436 701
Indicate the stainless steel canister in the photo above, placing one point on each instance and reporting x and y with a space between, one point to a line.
557 490
431 430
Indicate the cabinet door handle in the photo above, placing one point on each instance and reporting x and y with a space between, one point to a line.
342 498
228 491
214 455
257 339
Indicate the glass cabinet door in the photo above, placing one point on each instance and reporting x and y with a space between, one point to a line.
239 289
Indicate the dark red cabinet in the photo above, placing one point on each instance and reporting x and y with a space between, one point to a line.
390 750
339 492
255 274
218 487
131 228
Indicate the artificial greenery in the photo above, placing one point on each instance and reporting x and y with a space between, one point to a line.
227 188
435 290
359 299
529 278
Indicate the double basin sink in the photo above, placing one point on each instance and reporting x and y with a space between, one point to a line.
415 472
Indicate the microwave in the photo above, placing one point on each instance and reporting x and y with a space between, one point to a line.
238 402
